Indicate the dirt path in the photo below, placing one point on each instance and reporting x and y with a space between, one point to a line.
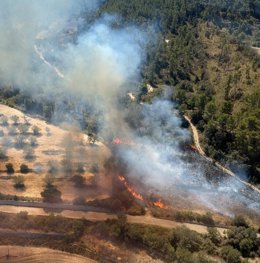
99 216
202 153
18 254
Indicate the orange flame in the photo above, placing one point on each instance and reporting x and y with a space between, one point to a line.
130 189
159 203
118 141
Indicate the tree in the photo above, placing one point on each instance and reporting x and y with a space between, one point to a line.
79 180
4 120
36 130
9 168
3 154
239 221
23 128
29 153
246 246
15 119
24 169
214 235
33 141
19 182
20 141
230 254
51 194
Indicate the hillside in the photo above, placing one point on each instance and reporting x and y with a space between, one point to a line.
49 153
203 52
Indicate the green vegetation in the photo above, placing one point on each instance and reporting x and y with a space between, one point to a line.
19 182
202 51
51 194
184 216
24 169
181 244
78 180
9 168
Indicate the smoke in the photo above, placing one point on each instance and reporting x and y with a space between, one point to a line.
159 162
46 50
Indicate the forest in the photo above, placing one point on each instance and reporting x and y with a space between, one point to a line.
202 51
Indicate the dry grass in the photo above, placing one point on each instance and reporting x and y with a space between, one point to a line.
39 255
53 145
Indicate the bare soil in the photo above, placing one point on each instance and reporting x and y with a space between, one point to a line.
18 254
54 144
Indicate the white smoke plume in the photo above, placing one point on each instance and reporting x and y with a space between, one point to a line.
46 50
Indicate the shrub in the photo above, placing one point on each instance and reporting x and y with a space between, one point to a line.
230 254
24 169
23 128
29 153
15 119
12 131
33 141
3 155
136 210
20 141
214 235
19 182
185 238
36 130
239 221
4 120
9 168
79 201
79 180
51 194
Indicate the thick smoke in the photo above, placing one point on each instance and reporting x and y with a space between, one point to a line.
46 48
159 162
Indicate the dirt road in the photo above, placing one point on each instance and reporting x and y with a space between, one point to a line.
99 216
202 153
18 254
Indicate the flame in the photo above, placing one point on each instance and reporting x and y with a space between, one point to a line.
159 203
118 141
130 189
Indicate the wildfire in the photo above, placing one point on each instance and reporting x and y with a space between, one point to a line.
118 141
130 189
159 203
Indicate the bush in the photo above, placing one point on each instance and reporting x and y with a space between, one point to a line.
79 201
23 128
24 169
4 120
239 221
51 194
19 182
230 254
185 238
3 155
33 141
79 180
15 119
9 168
214 235
36 130
136 210
29 153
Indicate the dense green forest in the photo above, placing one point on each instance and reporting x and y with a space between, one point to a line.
203 51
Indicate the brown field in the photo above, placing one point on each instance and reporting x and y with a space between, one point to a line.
19 254
54 144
